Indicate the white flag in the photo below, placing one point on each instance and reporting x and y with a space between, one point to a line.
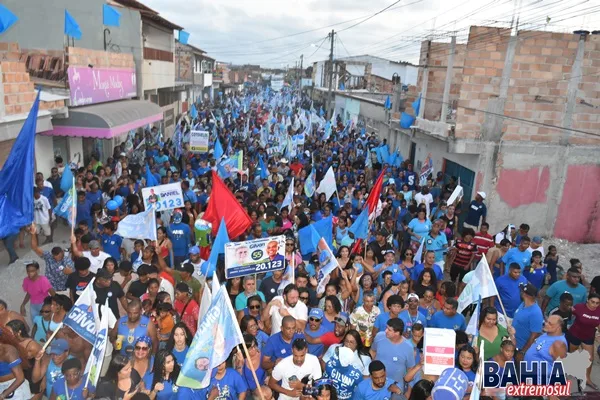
478 383
472 327
205 301
289 197
327 185
481 284
138 226
419 254
458 191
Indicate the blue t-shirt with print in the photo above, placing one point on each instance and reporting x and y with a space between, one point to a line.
276 347
345 379
514 255
180 236
440 320
437 245
111 244
59 388
230 386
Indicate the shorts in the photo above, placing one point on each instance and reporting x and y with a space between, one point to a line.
21 393
457 272
44 228
576 341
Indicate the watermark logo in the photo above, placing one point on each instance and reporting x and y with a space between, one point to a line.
535 378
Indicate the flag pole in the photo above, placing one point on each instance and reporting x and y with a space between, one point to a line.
239 332
74 207
51 337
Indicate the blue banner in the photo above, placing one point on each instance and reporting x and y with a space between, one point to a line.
64 209
81 318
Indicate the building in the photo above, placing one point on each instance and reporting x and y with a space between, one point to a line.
516 116
193 70
98 78
364 72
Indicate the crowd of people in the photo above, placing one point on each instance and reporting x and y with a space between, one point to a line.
360 338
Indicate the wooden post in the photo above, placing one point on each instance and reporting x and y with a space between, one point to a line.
51 337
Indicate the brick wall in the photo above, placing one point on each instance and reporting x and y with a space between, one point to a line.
538 87
99 59
437 63
184 65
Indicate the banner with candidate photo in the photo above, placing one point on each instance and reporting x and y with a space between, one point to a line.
254 256
163 197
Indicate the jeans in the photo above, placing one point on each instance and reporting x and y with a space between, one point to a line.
9 243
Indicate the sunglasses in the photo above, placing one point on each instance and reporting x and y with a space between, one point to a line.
45 312
314 319
303 298
254 307
289 244
141 348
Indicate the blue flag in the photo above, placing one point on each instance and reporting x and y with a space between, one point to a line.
324 229
7 19
217 335
360 227
194 112
310 185
71 26
66 180
406 121
218 149
219 243
388 103
16 178
138 226
82 316
416 105
93 366
111 17
264 174
150 178
65 208
183 37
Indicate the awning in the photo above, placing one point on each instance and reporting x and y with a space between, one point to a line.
107 120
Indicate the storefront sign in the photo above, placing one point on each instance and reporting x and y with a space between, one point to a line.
91 85
165 197
199 141
439 350
254 256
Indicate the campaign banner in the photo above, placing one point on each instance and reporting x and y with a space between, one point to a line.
82 316
94 365
254 256
164 197
439 349
199 141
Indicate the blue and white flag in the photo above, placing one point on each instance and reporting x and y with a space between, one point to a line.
84 313
66 209
327 262
328 185
480 284
360 227
138 226
289 197
310 185
94 365
218 334
138 261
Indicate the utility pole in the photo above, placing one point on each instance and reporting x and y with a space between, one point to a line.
301 71
329 97
448 82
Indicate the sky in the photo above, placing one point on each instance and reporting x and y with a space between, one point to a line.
273 33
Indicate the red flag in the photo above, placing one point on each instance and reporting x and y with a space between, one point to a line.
375 194
356 249
223 204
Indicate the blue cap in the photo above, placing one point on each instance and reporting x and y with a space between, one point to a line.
398 278
58 346
194 250
316 313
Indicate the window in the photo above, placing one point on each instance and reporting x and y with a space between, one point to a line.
197 66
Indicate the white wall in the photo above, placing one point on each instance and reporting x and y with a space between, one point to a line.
157 38
76 146
158 74
44 154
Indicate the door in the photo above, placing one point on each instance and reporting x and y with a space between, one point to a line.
467 180
413 150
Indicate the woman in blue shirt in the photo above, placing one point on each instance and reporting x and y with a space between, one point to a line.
179 342
467 362
243 367
537 271
166 372
71 385
250 325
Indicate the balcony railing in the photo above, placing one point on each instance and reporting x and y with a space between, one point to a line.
158 55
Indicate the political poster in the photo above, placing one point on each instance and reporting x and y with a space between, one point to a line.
82 316
164 197
439 350
254 256
199 141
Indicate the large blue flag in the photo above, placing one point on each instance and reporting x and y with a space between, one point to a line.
111 17
217 335
264 174
16 178
7 19
138 226
360 227
218 149
219 243
324 229
66 208
193 112
66 180
150 178
71 26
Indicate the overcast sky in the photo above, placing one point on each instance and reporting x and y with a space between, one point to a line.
269 32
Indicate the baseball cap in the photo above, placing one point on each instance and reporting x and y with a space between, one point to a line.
389 251
529 289
194 250
398 278
392 181
58 346
316 313
94 244
412 296
341 320
482 194
537 240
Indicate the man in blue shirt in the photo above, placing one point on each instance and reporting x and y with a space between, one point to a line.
520 255
509 289
570 285
279 345
111 243
181 237
394 303
448 318
412 316
528 321
437 242
477 212
314 328
378 387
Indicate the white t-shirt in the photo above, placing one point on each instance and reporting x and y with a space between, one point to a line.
360 362
540 249
197 271
166 286
299 312
96 262
286 369
41 207
426 199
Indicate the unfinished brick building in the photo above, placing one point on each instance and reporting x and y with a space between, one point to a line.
517 116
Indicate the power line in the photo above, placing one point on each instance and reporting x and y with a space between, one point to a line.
372 16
